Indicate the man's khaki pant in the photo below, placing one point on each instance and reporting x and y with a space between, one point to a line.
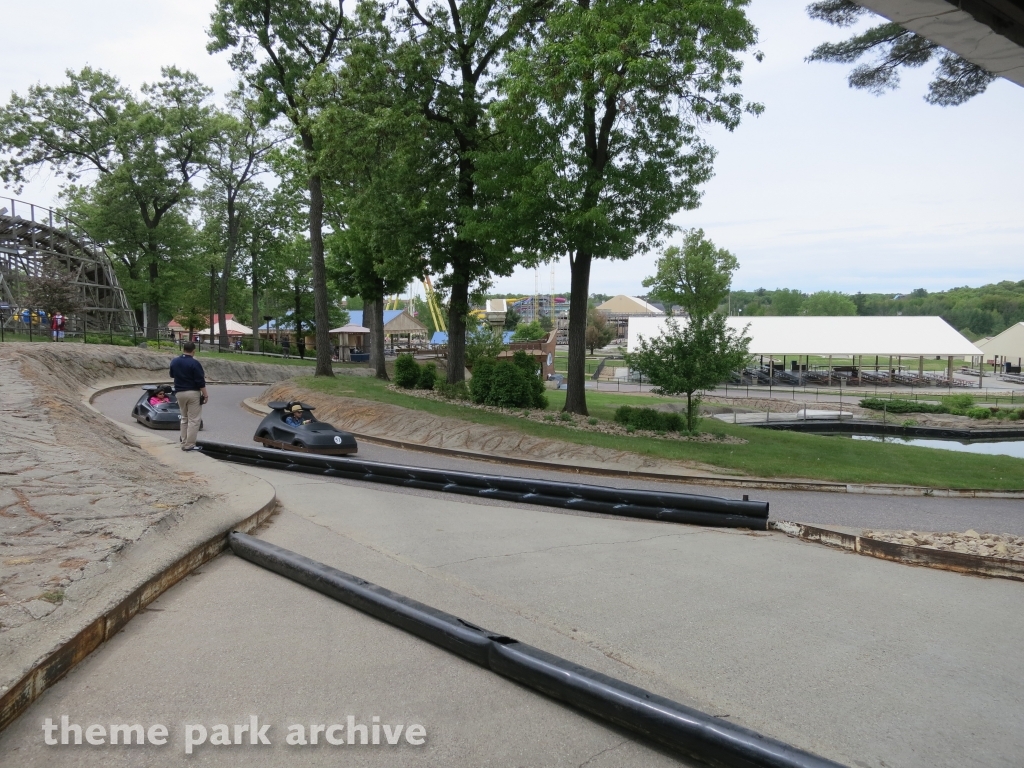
191 415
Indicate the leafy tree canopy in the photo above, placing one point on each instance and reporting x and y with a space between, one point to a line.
695 277
824 303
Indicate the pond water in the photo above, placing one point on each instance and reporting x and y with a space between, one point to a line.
989 447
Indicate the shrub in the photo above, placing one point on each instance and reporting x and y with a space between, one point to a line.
117 341
264 345
458 391
978 413
407 371
901 406
958 405
549 417
538 398
480 383
648 418
508 383
565 416
592 421
428 376
510 387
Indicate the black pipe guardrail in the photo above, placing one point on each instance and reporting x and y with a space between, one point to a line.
678 727
668 506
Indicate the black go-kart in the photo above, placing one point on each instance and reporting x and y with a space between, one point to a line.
158 415
311 436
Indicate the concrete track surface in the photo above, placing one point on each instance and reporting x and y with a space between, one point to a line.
227 422
866 662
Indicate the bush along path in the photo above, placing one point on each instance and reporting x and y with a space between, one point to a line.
955 405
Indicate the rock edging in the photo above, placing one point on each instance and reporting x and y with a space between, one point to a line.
947 560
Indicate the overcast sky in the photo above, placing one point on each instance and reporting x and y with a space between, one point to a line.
830 188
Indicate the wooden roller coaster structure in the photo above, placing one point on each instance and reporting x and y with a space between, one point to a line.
32 236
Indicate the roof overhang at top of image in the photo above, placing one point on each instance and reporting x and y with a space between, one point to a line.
989 33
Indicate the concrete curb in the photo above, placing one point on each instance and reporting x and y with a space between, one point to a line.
259 409
976 565
149 567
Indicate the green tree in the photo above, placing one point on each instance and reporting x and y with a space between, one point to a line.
529 332
696 277
786 302
142 152
448 58
236 156
374 157
603 106
894 48
828 303
54 289
482 342
691 356
280 47
512 319
599 333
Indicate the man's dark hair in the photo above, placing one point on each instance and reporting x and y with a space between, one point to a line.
189 346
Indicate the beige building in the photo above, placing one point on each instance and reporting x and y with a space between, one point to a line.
1007 347
627 306
619 309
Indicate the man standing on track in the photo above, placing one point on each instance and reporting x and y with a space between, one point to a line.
190 389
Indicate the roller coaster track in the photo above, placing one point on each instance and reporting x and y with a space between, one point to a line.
29 236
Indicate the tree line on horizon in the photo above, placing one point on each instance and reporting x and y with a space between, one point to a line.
976 312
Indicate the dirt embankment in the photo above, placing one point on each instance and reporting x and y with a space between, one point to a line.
74 489
393 422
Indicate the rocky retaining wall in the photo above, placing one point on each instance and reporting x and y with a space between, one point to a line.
75 491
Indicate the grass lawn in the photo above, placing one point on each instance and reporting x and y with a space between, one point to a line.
768 453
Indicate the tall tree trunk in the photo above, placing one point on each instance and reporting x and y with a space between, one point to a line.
298 315
458 310
255 313
154 303
321 313
579 292
222 297
373 317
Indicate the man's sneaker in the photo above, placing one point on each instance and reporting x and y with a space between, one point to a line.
193 448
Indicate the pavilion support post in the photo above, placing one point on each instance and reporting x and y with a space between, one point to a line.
889 374
920 367
949 370
830 370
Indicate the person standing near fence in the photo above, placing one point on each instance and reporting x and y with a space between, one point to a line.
190 389
57 326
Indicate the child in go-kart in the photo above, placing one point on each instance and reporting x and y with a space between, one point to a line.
159 398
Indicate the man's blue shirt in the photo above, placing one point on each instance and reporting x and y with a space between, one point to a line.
188 374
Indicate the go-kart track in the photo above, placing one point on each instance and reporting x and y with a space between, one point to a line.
856 660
